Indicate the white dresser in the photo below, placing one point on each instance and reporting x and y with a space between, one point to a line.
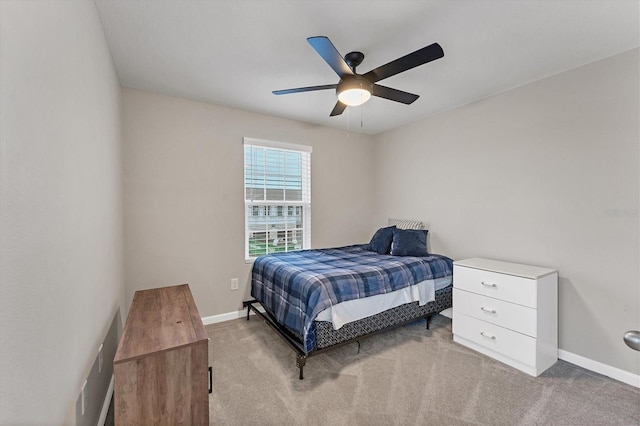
507 311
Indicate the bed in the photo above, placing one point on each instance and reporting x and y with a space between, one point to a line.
319 299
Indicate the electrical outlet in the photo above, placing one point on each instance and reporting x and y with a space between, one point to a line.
100 359
85 397
234 283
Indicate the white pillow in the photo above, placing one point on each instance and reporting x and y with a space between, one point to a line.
406 224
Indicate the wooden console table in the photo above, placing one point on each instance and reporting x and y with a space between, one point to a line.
161 365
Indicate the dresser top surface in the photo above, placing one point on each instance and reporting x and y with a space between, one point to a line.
517 269
160 319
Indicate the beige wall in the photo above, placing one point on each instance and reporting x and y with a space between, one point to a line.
60 205
531 176
183 188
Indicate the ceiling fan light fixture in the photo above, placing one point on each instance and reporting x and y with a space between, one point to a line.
354 90
354 97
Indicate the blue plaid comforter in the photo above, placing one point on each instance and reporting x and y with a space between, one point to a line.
296 286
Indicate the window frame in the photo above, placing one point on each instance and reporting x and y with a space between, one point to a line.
267 207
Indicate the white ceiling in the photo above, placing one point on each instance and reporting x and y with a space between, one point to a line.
234 53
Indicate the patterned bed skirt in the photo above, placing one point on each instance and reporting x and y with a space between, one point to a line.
326 336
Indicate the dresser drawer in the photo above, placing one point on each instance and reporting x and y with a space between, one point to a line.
509 315
506 342
510 288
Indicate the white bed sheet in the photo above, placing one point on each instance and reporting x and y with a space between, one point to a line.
353 310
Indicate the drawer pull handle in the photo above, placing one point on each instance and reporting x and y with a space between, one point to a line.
489 284
486 335
491 311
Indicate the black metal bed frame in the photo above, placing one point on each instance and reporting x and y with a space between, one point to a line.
294 342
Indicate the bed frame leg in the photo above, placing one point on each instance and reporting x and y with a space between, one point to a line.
428 318
247 304
301 360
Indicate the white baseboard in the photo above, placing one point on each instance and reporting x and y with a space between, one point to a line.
447 313
106 404
598 367
213 319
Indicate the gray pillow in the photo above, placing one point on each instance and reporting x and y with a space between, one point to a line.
406 223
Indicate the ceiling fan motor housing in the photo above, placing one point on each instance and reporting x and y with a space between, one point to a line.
354 81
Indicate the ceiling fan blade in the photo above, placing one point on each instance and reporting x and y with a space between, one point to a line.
338 109
394 94
330 54
412 60
304 89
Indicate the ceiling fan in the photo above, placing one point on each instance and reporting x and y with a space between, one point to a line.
355 89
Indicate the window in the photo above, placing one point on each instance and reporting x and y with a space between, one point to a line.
277 197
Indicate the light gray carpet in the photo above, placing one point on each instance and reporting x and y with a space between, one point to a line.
407 376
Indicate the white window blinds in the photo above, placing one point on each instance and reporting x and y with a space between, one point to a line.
277 194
